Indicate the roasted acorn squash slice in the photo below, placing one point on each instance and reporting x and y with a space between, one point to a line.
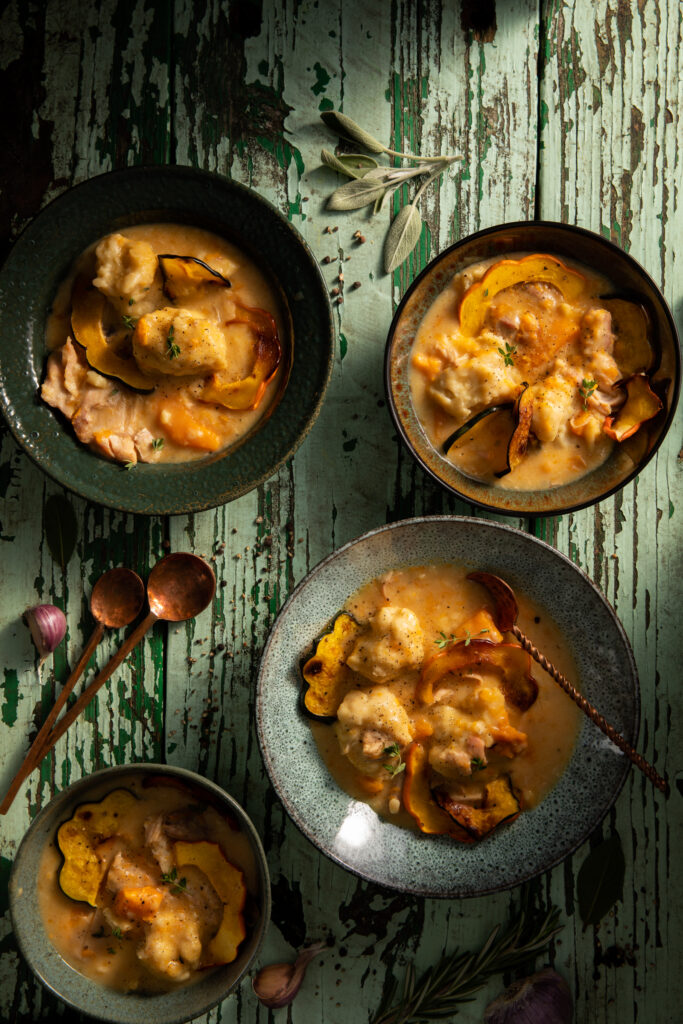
228 881
641 404
500 804
248 392
326 675
633 350
519 442
105 354
184 274
78 839
419 802
506 273
519 687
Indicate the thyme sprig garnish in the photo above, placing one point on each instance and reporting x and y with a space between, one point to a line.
129 322
374 183
446 639
178 885
586 389
172 350
440 991
507 353
394 767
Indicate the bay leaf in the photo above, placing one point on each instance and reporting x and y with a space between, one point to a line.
402 237
348 129
601 880
60 528
356 194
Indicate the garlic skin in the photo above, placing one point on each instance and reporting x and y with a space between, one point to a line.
544 998
278 984
48 628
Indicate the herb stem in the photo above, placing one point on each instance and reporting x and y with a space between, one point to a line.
422 159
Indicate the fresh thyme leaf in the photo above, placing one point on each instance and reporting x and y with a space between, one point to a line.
129 465
117 933
172 350
356 194
586 389
129 321
393 751
446 639
402 237
131 302
478 764
348 129
158 444
441 990
507 353
178 885
111 950
398 766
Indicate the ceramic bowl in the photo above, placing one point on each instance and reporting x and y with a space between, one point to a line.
80 992
349 831
41 259
564 240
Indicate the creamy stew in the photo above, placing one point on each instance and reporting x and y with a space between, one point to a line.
166 345
429 714
525 372
145 888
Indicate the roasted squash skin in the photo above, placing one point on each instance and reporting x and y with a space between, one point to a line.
228 881
419 801
325 674
183 274
641 404
248 392
500 804
519 687
506 273
91 824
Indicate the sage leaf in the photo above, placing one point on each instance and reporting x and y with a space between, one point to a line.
60 527
353 165
601 880
402 237
348 129
356 194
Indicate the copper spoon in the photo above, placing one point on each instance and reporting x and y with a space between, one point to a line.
117 598
179 587
506 618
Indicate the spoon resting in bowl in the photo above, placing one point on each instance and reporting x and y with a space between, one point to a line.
506 620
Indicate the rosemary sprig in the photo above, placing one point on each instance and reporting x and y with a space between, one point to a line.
373 185
440 990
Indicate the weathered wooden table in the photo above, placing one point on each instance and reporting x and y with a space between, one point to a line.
563 109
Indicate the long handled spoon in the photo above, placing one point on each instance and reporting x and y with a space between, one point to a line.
117 598
179 587
506 619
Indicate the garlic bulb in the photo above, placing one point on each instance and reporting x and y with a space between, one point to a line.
278 984
544 998
48 627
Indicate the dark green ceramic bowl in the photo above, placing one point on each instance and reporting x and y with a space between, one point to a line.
566 241
42 258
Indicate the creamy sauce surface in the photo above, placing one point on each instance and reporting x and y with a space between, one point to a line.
169 423
87 938
443 599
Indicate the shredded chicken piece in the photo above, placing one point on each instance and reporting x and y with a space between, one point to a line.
157 842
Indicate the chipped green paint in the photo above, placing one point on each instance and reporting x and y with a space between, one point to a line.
322 79
10 688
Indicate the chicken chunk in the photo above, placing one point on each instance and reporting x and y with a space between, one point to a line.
394 644
177 342
67 369
368 723
126 270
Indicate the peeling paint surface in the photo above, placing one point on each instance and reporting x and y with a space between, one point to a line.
561 109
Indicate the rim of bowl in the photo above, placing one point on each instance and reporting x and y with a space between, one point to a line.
180 171
509 226
255 843
585 833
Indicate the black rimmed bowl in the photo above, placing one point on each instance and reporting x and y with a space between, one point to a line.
564 240
42 258
349 831
86 995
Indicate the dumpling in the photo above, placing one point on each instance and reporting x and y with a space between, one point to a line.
177 342
369 721
125 271
394 644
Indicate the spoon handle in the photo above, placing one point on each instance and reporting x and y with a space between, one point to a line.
35 754
99 680
594 715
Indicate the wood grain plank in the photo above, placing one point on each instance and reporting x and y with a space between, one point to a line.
609 76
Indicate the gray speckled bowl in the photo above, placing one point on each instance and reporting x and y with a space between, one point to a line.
73 988
349 831
564 240
41 259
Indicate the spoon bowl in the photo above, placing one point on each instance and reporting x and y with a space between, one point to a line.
117 598
180 586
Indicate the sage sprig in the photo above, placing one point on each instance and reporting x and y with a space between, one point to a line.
372 184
